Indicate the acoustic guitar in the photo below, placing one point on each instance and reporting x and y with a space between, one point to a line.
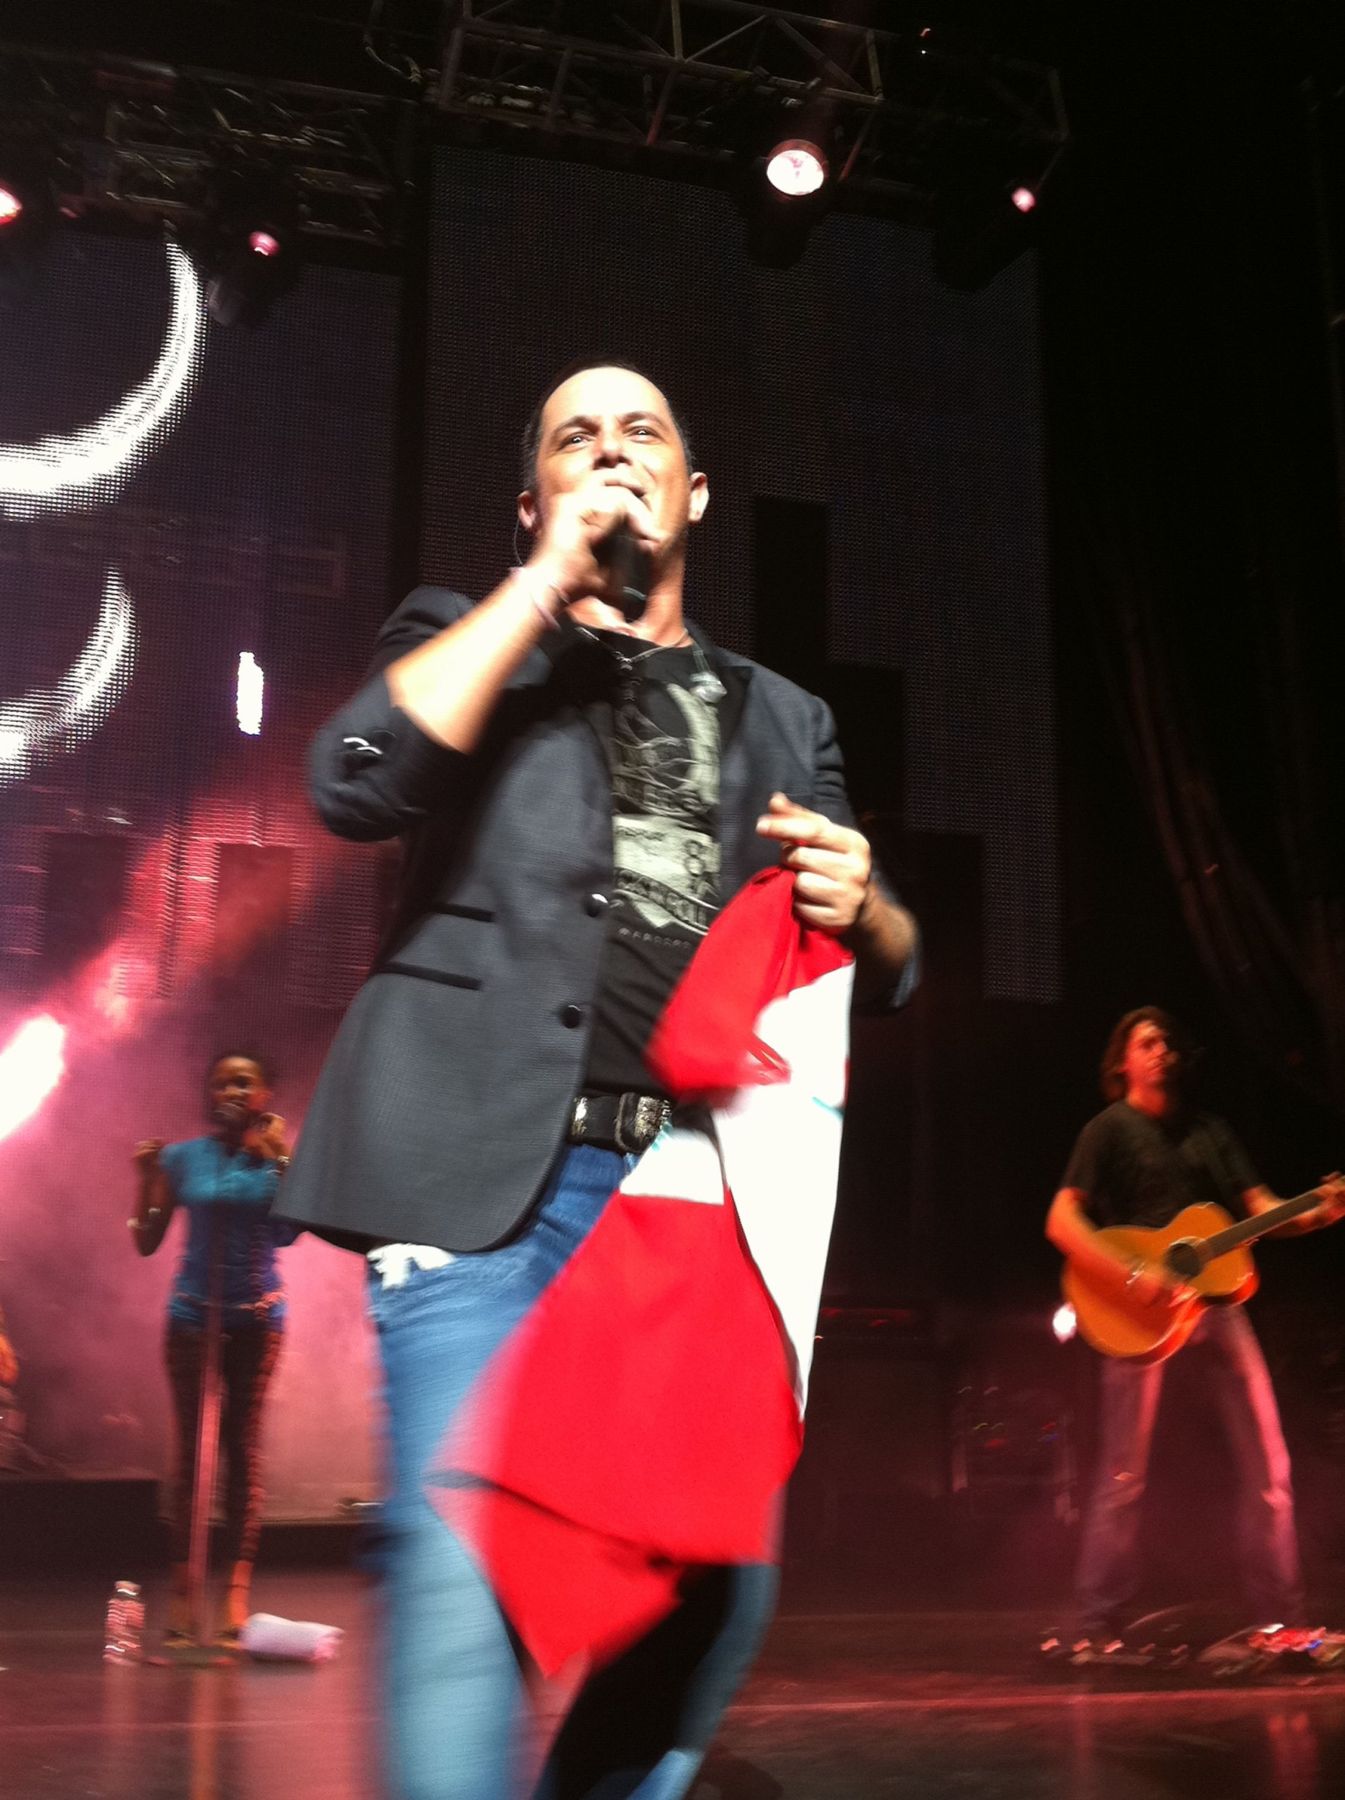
1203 1247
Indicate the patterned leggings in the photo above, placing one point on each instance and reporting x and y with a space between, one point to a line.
247 1361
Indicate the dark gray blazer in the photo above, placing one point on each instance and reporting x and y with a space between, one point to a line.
444 1096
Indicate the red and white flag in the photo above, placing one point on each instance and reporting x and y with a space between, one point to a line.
642 1420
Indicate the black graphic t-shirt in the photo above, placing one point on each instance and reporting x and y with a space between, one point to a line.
1138 1170
663 752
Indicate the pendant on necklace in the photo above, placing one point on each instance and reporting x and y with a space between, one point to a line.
707 687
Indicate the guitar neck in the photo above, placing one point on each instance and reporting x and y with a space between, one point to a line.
1248 1230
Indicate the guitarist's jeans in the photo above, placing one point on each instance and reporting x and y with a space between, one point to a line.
1237 1382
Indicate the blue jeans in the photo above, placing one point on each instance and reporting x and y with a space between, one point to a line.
458 1724
1238 1383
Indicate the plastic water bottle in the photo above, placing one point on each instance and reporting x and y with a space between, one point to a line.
124 1636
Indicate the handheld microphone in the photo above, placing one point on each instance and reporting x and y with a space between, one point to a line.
629 562
224 1113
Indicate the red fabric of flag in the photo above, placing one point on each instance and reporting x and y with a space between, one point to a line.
640 1423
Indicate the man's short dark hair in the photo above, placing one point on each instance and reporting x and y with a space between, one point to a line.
1113 1057
531 441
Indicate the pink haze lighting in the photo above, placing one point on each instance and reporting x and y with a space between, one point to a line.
263 244
31 1066
796 168
10 206
1024 199
251 690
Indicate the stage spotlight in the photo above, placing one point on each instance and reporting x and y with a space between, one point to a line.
796 167
1064 1323
31 1066
27 210
982 222
782 183
249 244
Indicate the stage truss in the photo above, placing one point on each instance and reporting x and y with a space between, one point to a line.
142 141
684 87
696 81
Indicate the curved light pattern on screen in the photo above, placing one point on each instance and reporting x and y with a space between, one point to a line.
46 721
87 467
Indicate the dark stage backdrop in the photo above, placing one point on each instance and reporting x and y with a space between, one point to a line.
891 428
165 889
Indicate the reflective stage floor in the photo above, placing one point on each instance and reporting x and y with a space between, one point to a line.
842 1706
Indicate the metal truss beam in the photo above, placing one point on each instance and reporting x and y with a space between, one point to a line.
143 141
692 80
672 86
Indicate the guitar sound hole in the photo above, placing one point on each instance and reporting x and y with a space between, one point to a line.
1184 1258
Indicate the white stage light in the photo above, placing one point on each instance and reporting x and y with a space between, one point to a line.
796 167
31 1065
251 688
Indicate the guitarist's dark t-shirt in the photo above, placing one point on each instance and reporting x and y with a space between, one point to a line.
1138 1170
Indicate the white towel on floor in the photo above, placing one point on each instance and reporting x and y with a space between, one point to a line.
275 1639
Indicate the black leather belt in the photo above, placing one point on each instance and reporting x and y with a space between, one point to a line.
627 1122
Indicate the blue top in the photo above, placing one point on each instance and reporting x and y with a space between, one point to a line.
228 1192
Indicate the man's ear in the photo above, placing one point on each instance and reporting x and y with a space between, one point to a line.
527 510
700 496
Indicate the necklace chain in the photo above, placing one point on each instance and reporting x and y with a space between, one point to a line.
704 684
629 662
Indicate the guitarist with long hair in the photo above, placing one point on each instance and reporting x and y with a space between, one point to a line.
1147 1158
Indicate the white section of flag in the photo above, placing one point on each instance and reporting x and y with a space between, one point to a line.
781 1148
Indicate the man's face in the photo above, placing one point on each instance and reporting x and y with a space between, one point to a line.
1151 1061
615 423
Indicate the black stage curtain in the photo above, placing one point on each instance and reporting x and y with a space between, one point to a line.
1198 557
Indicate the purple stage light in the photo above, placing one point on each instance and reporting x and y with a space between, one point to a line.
1024 199
11 207
261 243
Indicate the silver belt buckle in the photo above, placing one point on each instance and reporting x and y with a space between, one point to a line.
639 1119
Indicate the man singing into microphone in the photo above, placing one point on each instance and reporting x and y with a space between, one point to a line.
580 784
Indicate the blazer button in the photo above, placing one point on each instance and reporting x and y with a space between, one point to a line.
572 1015
596 904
